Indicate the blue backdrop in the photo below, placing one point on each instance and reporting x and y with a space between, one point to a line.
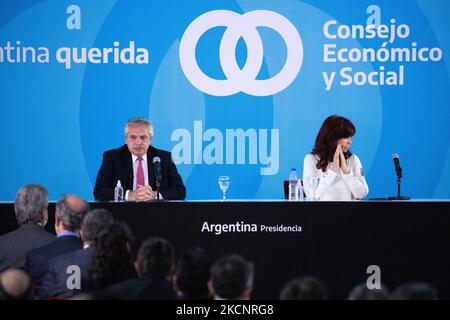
73 72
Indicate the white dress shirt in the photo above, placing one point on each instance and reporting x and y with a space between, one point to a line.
334 186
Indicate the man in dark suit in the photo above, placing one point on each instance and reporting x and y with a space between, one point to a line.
31 213
67 274
134 165
155 265
69 213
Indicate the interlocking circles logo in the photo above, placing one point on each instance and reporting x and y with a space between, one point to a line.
237 79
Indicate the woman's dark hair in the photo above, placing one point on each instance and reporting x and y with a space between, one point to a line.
94 222
112 261
332 129
156 258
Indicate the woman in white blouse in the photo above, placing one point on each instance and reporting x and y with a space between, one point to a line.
331 172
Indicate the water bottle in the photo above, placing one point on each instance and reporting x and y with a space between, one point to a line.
118 192
293 185
301 193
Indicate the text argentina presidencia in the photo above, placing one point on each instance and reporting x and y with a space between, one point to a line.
242 227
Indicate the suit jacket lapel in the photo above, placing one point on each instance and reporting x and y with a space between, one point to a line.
151 168
128 161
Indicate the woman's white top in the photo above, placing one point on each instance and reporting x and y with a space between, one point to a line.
332 186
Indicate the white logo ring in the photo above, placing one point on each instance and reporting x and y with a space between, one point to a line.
241 79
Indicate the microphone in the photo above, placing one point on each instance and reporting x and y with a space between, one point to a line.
157 164
158 175
399 172
398 169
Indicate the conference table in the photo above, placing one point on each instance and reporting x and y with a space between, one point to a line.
339 243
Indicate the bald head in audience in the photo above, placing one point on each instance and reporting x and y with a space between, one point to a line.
70 210
15 284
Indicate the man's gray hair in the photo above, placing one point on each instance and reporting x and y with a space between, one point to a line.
71 214
137 122
30 201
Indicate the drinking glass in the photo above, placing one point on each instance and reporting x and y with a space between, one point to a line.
224 183
314 184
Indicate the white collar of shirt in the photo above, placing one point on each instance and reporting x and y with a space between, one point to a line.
144 158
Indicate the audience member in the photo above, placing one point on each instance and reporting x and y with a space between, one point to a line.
305 288
112 261
231 278
155 265
192 274
362 292
415 291
31 214
69 213
60 270
15 284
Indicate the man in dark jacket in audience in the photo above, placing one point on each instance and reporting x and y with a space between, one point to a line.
155 265
31 213
69 213
67 274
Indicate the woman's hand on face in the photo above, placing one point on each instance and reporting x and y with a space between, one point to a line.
343 163
335 164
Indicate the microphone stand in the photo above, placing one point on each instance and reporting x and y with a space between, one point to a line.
399 197
158 184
